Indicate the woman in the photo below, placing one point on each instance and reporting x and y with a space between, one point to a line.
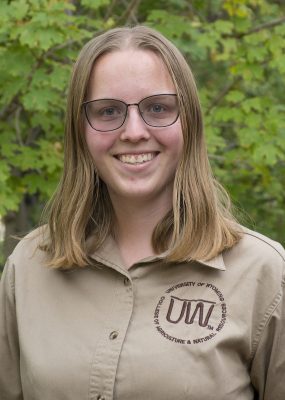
142 285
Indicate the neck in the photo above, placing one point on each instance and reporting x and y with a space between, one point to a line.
135 223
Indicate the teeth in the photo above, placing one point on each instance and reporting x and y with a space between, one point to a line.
136 158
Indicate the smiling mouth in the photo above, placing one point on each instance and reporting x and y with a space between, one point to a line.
136 158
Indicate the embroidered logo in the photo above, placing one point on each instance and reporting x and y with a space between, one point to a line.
190 313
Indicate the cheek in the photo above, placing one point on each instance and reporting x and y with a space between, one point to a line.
97 144
172 139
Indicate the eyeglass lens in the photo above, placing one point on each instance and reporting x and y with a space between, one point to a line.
110 114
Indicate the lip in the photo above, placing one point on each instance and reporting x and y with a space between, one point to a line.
137 154
140 164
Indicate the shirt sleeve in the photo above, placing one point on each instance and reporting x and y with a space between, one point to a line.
10 381
268 367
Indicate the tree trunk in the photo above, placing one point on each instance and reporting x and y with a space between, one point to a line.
17 224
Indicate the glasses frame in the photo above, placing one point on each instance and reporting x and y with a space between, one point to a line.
85 103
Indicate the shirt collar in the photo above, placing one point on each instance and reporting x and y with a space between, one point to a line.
109 254
215 262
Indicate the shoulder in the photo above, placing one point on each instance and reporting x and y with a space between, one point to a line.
263 243
257 253
22 266
257 242
29 247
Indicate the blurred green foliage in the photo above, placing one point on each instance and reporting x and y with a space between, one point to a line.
235 48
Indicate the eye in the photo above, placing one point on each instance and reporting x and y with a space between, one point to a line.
110 112
107 112
156 108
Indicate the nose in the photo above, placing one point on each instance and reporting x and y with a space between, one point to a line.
134 128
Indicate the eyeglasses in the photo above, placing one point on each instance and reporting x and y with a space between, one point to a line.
107 115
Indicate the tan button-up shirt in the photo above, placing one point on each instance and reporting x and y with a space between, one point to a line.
159 331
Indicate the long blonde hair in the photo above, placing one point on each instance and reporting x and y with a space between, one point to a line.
199 226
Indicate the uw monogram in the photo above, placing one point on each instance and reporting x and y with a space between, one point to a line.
189 310
194 316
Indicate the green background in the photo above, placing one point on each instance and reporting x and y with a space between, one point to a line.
236 50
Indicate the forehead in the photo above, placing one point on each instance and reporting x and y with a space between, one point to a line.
129 74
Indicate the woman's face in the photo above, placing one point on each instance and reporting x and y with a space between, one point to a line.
136 161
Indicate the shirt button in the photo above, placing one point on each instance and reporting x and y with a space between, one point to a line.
113 335
99 397
126 281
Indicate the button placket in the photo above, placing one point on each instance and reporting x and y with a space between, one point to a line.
107 355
